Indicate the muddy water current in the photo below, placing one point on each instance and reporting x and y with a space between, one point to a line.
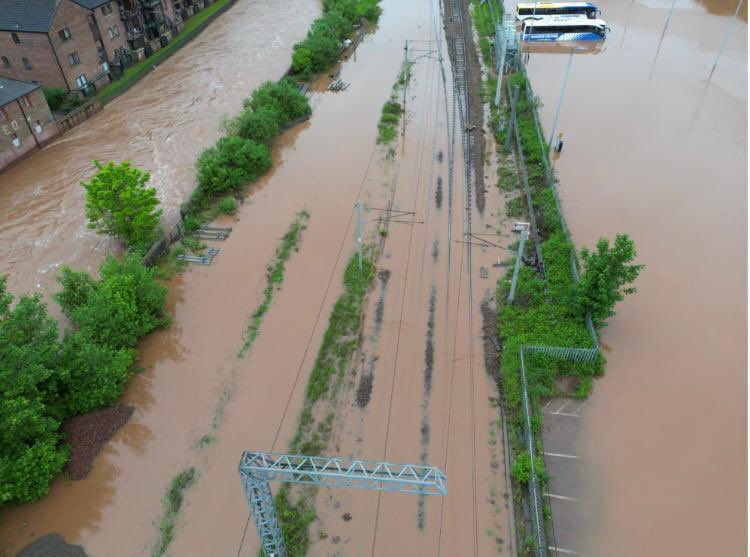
655 149
161 125
193 384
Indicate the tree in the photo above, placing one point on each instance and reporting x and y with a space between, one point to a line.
119 203
94 374
127 303
607 273
231 163
261 125
282 97
30 450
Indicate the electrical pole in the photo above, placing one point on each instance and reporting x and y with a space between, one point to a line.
513 103
726 38
359 233
519 256
500 36
559 102
405 75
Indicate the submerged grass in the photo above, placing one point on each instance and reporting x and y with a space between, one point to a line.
274 277
172 504
295 510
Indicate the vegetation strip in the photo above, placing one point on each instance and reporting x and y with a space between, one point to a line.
342 337
172 505
274 277
550 312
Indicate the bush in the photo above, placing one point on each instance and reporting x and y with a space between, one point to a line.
261 125
30 453
127 303
94 374
282 97
228 206
54 96
231 163
521 470
119 203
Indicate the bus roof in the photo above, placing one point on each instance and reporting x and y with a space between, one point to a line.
564 22
545 5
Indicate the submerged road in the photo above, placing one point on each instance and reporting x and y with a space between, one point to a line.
655 149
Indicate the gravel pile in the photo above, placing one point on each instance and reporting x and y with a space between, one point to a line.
88 433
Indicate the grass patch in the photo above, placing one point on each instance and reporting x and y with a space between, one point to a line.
392 112
138 70
274 277
295 510
172 504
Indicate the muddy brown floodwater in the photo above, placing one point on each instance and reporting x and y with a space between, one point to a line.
654 149
193 379
161 125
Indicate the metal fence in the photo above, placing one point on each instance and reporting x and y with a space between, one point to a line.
573 354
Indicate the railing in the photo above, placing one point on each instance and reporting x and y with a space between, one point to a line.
80 114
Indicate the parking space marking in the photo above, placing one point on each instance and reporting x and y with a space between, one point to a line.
558 413
563 497
559 410
561 550
560 455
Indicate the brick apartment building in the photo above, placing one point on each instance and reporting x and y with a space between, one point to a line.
26 122
76 44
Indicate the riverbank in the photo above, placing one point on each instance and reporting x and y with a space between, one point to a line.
192 28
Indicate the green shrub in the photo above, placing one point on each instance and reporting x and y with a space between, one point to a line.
228 206
282 97
94 374
54 96
30 453
261 125
127 303
521 470
231 163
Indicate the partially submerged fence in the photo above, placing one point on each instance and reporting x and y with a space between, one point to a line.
573 354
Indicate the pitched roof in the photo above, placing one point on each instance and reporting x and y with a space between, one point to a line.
91 4
34 16
10 89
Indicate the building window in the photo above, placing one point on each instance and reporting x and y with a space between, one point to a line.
64 34
73 59
6 62
113 32
26 101
15 140
106 10
26 63
81 81
3 115
15 38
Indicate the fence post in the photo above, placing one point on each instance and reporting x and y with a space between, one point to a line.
511 125
519 256
359 234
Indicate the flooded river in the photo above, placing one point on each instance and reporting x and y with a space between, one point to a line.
654 149
161 125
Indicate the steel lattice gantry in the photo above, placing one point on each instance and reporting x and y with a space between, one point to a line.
258 469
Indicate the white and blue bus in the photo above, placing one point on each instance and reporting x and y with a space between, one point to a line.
564 29
538 10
